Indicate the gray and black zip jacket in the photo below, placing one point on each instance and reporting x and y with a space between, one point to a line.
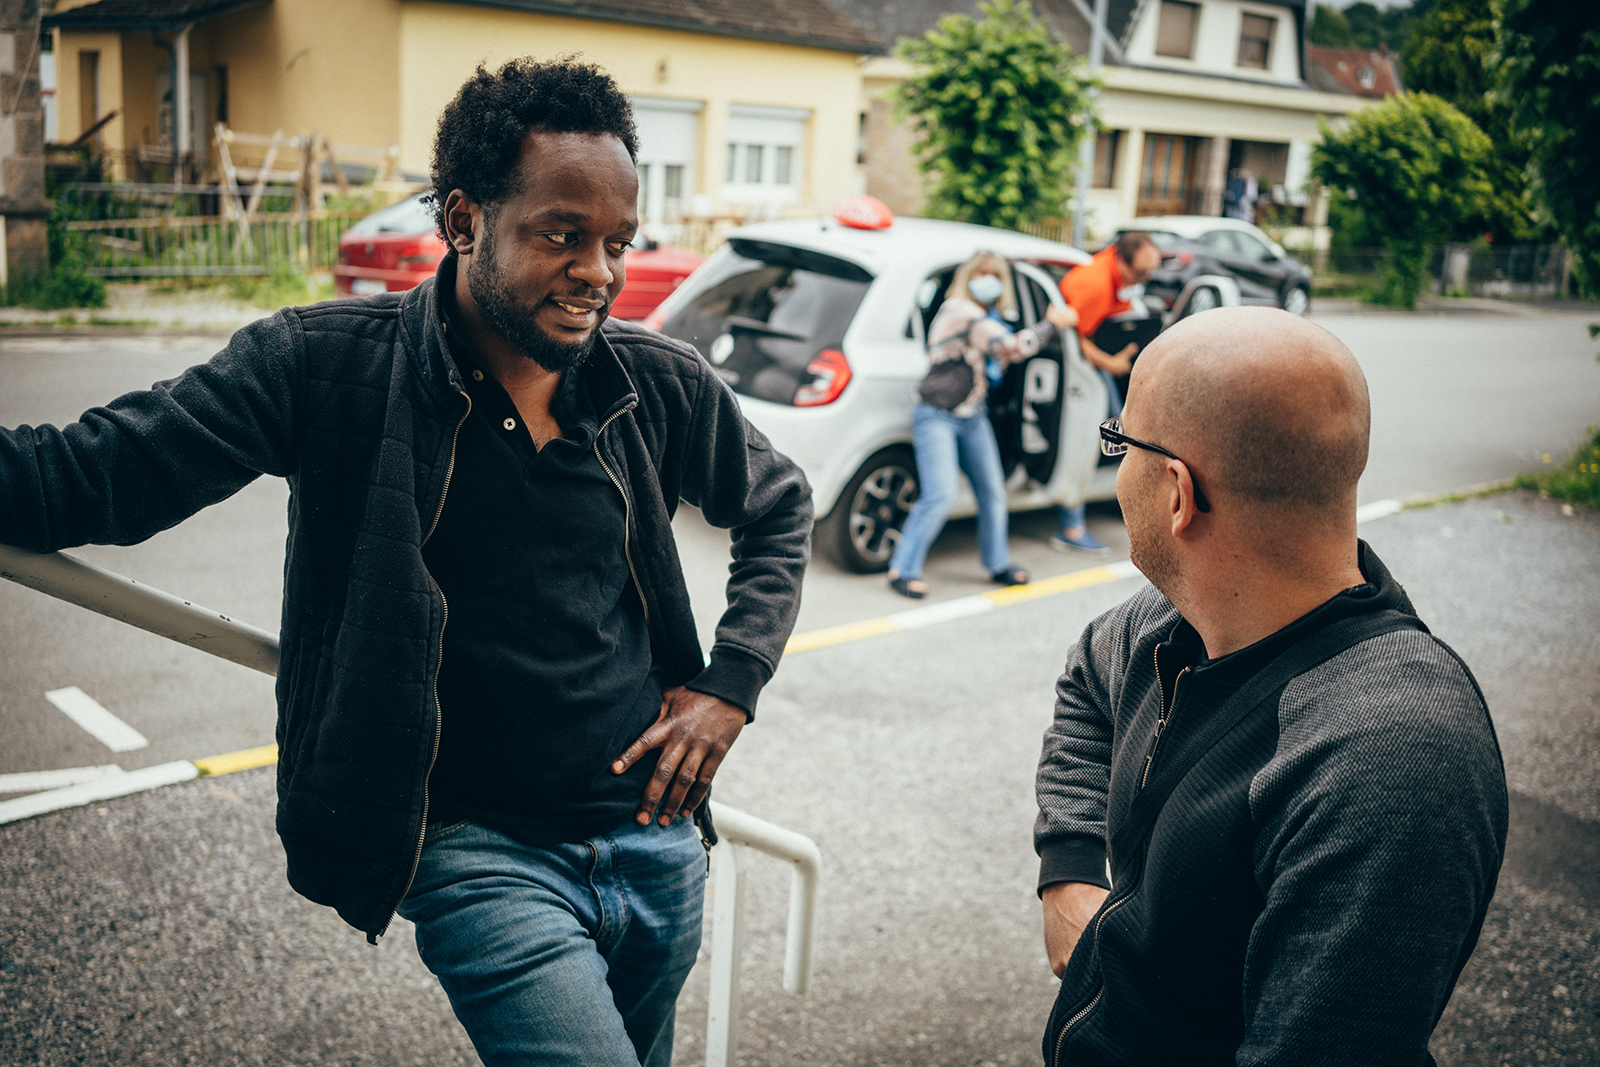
357 403
1313 886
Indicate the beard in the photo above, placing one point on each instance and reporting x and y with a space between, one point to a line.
1148 549
500 309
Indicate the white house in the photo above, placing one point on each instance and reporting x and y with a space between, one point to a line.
1201 98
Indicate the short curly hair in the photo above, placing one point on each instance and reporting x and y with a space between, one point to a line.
479 141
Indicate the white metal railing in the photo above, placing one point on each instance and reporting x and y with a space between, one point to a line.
136 604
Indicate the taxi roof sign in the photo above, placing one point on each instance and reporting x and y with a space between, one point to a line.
863 212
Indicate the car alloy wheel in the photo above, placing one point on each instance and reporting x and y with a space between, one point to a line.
862 531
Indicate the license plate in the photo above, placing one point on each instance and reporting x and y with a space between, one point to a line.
368 286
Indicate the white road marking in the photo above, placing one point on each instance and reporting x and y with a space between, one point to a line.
33 781
958 608
84 710
115 785
1378 509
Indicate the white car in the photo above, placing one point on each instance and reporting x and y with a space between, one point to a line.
819 328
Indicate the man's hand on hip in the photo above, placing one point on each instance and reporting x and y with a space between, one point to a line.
694 732
1068 909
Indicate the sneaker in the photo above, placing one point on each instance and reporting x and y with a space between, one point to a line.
1083 542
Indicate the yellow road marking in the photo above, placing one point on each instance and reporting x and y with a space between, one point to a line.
264 756
1016 594
838 635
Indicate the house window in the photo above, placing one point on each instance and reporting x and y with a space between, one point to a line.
88 90
1255 41
1175 31
1105 158
764 153
669 144
1367 77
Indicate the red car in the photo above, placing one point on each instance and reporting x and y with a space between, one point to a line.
397 247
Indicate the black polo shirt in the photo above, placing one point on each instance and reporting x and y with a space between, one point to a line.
546 674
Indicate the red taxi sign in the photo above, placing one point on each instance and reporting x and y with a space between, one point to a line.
863 212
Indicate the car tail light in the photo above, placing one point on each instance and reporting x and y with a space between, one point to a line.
414 259
830 374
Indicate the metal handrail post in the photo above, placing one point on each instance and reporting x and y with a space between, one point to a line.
744 829
723 1002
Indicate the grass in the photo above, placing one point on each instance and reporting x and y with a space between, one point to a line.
1576 481
280 289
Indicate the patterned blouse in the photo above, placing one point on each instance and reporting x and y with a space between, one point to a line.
961 338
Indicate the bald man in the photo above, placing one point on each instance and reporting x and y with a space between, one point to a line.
1295 789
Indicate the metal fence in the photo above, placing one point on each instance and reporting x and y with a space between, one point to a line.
126 230
1524 271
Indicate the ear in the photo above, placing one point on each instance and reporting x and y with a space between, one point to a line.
1182 509
461 221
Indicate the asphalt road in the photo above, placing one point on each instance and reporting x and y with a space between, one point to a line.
158 927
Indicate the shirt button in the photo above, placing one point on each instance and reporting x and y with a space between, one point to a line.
510 424
477 375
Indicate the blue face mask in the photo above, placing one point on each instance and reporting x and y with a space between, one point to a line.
986 289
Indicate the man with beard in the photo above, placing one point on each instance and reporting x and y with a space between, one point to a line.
495 718
1295 789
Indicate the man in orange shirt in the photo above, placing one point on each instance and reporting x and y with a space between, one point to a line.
1105 286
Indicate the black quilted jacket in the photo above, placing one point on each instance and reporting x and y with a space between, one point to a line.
1313 886
356 403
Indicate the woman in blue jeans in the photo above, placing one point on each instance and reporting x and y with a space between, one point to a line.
950 424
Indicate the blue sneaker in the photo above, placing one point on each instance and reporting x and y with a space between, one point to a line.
1083 542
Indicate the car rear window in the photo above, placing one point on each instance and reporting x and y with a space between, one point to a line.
407 218
760 312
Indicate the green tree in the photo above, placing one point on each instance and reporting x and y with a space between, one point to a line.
1330 29
999 107
1362 25
1549 66
1451 54
1418 169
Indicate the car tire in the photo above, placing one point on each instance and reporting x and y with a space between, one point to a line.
1297 300
861 532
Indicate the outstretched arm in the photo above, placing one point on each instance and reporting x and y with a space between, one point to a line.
150 459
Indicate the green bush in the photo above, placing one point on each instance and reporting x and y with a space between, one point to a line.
1577 481
66 285
1416 168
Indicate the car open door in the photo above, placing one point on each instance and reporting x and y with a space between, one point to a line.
1047 411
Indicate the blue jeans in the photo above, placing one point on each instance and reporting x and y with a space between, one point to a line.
569 954
943 442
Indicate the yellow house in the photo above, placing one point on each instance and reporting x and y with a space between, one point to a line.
743 109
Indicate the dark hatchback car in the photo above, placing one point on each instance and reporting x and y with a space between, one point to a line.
1200 244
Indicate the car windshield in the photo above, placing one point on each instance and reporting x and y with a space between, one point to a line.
408 218
760 312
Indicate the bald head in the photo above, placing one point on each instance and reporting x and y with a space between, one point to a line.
1272 411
